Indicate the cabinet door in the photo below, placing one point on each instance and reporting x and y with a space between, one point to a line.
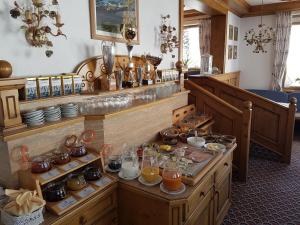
222 196
203 214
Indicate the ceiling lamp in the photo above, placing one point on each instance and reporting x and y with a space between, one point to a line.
261 37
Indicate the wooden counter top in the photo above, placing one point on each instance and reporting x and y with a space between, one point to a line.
155 190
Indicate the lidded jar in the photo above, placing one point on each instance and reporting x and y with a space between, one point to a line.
172 176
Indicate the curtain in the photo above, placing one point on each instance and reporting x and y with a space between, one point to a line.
282 43
204 36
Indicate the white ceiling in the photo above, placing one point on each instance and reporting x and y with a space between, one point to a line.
258 2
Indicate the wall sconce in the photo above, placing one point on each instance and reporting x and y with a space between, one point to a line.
168 39
34 18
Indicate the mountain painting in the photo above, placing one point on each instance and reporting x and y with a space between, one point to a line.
110 14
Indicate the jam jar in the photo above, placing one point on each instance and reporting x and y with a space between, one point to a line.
61 157
76 182
78 149
54 192
92 173
40 164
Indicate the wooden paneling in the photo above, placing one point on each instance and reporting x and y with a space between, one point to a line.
269 9
232 78
228 120
218 41
272 123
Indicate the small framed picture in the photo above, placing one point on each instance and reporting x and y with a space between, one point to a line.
230 51
230 32
235 49
236 33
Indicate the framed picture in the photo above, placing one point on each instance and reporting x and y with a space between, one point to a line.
236 33
235 49
230 51
107 15
230 32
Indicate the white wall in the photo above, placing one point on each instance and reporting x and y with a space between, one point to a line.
233 65
28 61
256 68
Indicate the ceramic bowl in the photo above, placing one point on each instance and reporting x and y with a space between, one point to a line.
196 141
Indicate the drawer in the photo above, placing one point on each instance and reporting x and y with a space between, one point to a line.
92 211
223 166
199 194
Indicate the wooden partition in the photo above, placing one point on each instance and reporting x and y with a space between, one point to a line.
229 120
229 78
272 123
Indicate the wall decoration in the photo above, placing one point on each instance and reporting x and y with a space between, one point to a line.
168 38
235 53
230 37
262 36
230 51
37 17
236 34
108 18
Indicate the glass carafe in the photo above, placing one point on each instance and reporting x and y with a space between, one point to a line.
172 176
130 164
150 167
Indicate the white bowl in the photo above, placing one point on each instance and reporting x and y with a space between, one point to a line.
196 141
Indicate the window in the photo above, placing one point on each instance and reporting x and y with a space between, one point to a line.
191 48
293 67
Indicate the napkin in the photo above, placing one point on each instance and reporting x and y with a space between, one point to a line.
24 202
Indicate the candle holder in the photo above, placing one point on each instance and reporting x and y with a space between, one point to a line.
36 31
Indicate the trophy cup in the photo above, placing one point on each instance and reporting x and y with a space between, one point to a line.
108 83
140 75
155 61
148 80
119 78
128 31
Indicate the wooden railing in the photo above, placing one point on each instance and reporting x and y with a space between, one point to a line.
228 120
229 78
272 123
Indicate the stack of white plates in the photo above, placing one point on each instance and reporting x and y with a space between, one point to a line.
69 110
52 114
34 118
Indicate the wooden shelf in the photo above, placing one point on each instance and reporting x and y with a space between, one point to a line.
62 173
24 132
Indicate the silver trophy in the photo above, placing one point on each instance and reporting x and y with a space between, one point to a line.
108 52
119 79
140 75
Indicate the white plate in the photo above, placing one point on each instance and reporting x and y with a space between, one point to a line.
120 174
221 147
180 191
33 113
110 170
142 181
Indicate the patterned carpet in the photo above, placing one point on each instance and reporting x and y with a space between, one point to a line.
272 193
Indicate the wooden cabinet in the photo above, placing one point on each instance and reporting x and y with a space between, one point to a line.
222 196
206 203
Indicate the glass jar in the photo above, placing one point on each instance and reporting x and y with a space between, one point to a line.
61 157
114 162
150 167
40 164
172 176
76 182
130 164
54 192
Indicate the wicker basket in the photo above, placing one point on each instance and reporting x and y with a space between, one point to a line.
34 218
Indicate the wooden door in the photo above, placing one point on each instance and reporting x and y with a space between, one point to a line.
222 196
